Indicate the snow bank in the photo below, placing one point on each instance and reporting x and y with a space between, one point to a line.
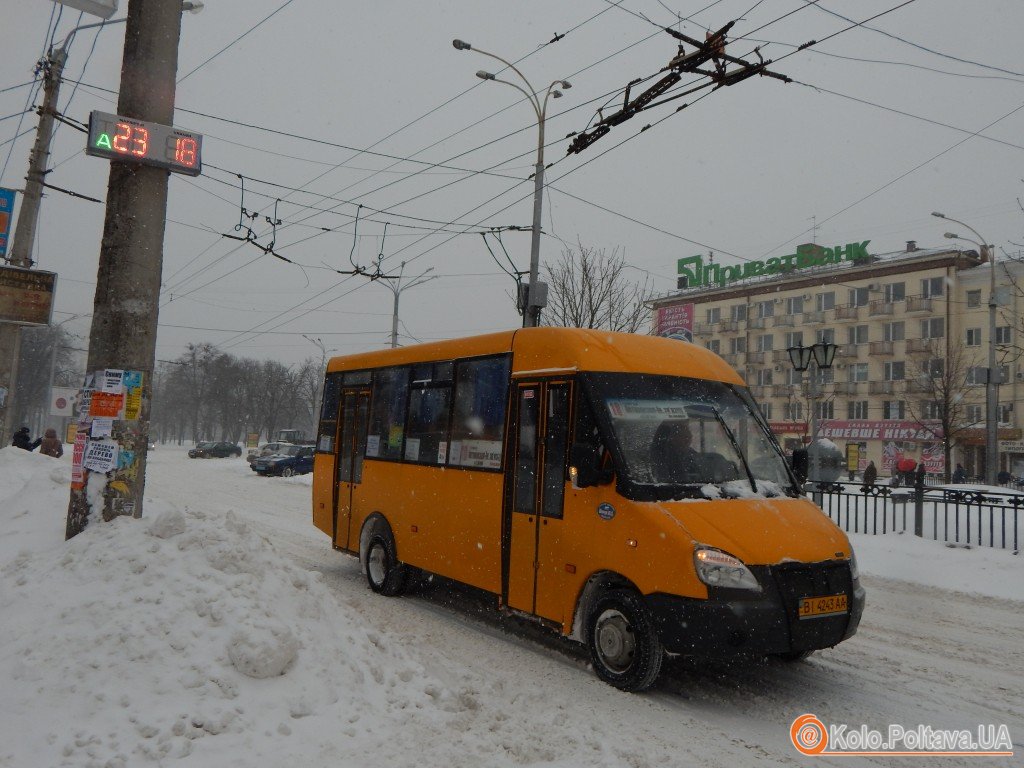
181 634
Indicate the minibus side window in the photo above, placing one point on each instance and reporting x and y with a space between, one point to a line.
526 458
426 438
387 413
556 442
329 413
478 419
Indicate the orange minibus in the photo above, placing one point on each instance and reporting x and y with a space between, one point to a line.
623 490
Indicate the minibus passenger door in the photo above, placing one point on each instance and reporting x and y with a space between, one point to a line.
537 491
354 410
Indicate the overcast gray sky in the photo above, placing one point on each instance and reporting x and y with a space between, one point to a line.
922 111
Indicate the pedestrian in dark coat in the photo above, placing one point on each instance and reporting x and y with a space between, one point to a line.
22 439
960 474
920 474
51 445
870 474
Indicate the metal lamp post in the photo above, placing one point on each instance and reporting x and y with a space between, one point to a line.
536 297
992 380
822 355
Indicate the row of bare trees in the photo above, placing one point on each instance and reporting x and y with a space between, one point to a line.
206 394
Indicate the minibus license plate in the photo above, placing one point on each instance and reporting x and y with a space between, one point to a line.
815 607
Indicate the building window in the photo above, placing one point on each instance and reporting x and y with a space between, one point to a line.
793 376
715 345
974 337
975 414
973 299
894 409
825 301
932 287
895 370
826 336
793 411
894 331
1006 413
795 305
1004 334
931 409
858 372
738 311
826 375
857 409
794 339
857 334
977 374
766 411
765 343
765 308
933 328
895 292
738 344
826 409
764 377
936 368
713 315
858 297
1004 374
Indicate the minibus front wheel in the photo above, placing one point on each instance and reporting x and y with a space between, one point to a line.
624 646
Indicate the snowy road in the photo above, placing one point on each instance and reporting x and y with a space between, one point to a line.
923 656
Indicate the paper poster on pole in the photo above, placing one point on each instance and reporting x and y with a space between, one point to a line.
101 427
132 381
106 404
100 455
77 456
111 380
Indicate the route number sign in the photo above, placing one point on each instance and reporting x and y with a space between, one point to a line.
139 141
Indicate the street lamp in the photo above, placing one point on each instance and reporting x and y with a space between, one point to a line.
800 357
536 297
992 380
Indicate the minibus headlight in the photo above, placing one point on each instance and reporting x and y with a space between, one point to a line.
854 570
717 569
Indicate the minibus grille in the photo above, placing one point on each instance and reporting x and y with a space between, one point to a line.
796 581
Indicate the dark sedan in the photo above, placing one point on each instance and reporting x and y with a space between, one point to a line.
214 451
290 460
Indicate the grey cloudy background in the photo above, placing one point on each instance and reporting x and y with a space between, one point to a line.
922 112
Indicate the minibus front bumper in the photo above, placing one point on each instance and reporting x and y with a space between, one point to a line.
732 621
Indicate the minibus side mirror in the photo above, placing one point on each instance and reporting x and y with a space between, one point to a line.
585 468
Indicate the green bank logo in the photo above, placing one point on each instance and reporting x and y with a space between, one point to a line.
697 273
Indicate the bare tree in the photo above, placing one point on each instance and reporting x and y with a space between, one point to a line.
940 387
588 288
47 354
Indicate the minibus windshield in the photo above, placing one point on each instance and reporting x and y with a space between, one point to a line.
677 437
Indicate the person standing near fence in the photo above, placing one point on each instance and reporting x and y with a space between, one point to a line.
959 474
870 474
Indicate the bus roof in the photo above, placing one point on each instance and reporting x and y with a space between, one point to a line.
545 350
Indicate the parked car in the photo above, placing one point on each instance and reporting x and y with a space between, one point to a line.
214 450
290 460
267 449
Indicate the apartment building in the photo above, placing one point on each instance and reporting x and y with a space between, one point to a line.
892 316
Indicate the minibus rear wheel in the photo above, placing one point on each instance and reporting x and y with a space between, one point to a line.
624 645
383 572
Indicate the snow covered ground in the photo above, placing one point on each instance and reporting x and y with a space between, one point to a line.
222 630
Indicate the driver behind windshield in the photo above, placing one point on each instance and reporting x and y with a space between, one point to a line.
673 458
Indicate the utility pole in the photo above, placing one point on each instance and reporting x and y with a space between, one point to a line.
125 309
25 232
397 289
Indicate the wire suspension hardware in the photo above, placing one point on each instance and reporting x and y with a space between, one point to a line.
709 51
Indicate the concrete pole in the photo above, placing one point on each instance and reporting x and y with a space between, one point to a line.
25 232
992 385
125 309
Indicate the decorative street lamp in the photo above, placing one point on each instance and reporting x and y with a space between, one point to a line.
800 357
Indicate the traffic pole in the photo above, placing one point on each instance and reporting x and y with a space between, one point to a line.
126 305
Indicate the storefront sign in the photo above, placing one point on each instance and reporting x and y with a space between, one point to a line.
26 295
697 273
863 429
787 427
